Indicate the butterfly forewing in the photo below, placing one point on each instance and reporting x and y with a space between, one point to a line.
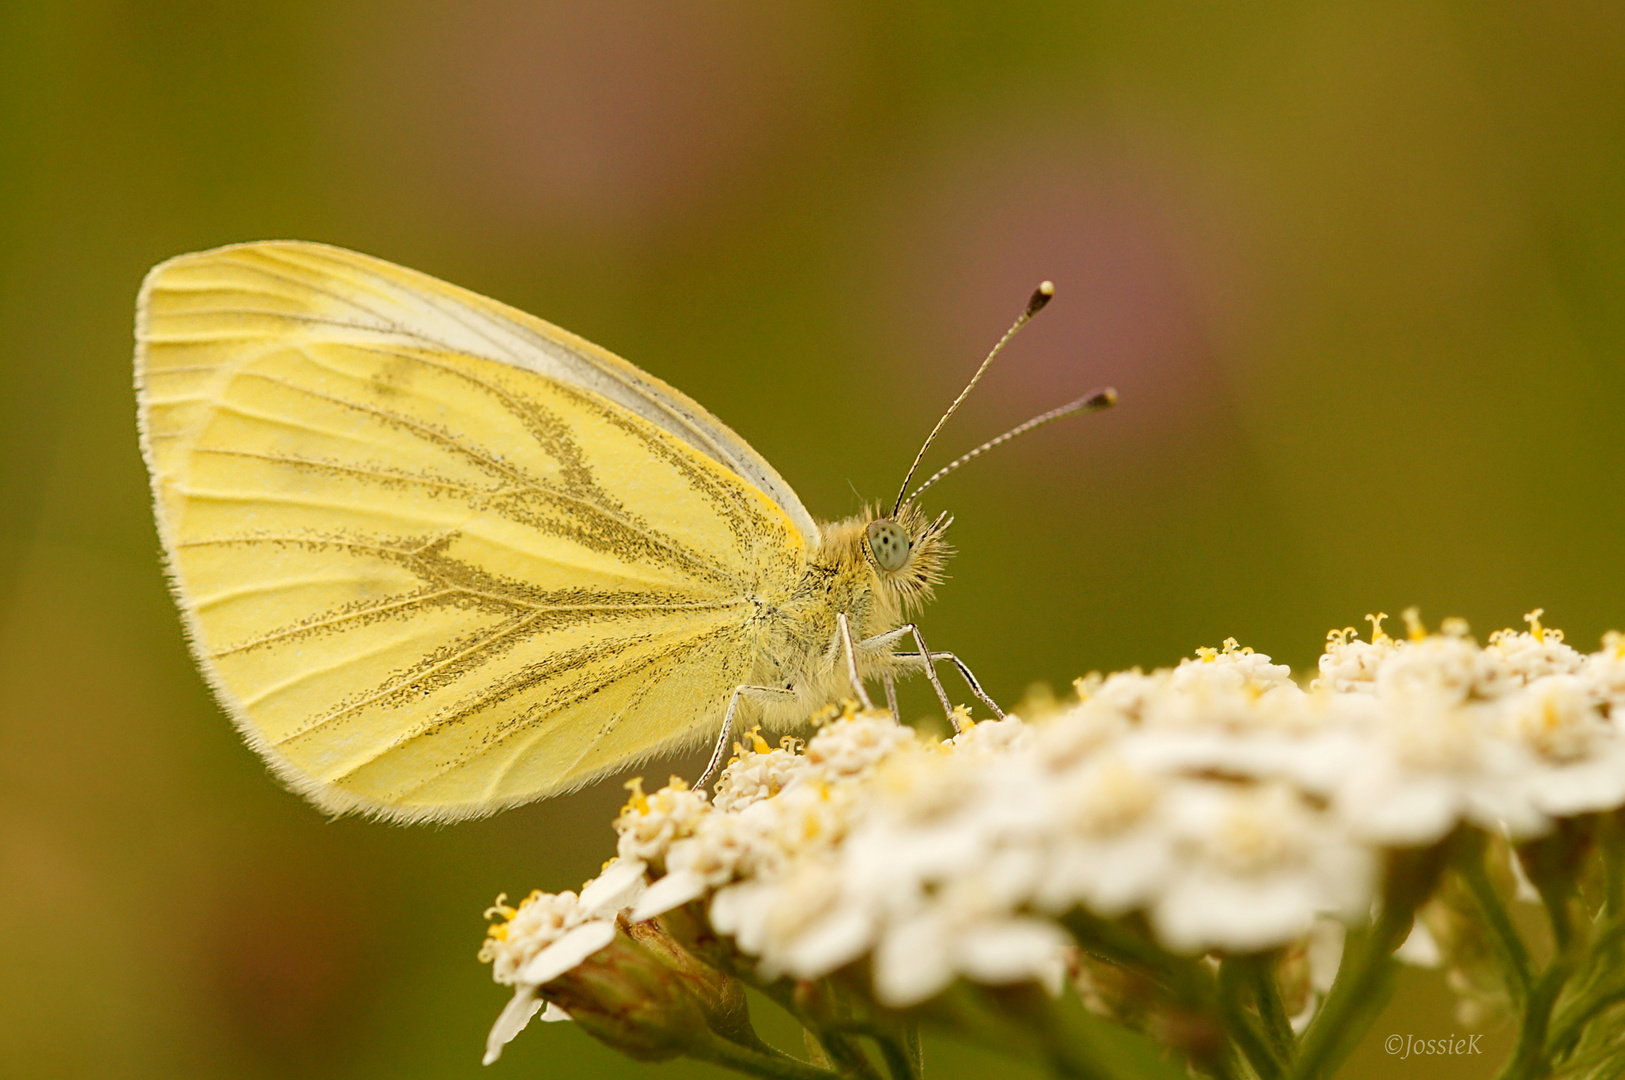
428 583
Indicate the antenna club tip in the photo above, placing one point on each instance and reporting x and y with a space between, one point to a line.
1041 296
1105 399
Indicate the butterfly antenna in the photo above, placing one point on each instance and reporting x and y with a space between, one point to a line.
1093 401
1041 296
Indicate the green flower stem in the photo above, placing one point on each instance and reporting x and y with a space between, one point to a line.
1231 1065
1257 1050
1529 1058
1532 1057
1613 862
815 1049
1068 1060
846 1055
1242 977
1596 990
1075 1042
1553 863
1571 1024
1356 998
1365 978
807 1002
1509 948
897 1040
1608 1064
1192 984
1595 1065
1235 987
1267 993
902 1059
1121 945
1070 1045
1610 936
962 1012
767 1063
822 1010
850 1056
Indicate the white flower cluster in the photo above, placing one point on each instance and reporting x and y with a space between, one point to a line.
547 935
1229 805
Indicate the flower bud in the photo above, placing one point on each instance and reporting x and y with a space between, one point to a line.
629 997
720 998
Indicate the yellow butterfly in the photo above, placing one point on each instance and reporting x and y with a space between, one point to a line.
438 557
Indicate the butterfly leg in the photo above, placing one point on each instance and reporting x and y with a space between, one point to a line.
723 736
880 641
852 661
891 695
975 687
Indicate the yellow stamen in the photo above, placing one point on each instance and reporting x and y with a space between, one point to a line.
825 715
637 800
1377 636
1535 629
1413 623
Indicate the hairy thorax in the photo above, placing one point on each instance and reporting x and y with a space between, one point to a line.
803 652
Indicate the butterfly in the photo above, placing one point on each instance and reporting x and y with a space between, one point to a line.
437 557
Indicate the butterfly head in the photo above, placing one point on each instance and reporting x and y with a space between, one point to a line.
907 552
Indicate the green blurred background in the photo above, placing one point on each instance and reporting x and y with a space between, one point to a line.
1357 269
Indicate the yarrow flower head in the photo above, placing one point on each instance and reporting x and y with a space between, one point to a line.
1218 810
546 936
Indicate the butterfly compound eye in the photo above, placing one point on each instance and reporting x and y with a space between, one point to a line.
889 542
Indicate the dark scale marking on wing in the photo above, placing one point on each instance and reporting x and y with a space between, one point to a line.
536 728
439 667
564 448
554 436
592 518
452 661
591 678
551 434
579 660
383 476
531 724
452 582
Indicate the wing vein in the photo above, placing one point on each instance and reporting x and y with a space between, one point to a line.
388 689
679 551
331 621
359 470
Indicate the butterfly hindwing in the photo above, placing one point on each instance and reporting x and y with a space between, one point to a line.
428 583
